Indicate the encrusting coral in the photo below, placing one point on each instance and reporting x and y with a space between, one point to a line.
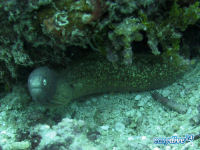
49 32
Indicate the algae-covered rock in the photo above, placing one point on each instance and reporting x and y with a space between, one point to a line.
50 32
68 134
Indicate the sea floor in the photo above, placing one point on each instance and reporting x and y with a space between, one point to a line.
115 121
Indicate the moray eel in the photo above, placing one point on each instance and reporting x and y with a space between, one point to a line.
42 84
95 75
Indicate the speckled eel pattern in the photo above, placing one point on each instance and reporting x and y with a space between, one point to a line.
95 75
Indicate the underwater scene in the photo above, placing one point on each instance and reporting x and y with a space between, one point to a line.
99 75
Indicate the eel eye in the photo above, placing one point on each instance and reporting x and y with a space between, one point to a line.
44 82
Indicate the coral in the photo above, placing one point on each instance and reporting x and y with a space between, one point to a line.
68 134
166 31
126 32
181 18
71 21
52 32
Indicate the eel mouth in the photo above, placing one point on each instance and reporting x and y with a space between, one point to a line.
35 92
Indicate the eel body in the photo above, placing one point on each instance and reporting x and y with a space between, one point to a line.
95 75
